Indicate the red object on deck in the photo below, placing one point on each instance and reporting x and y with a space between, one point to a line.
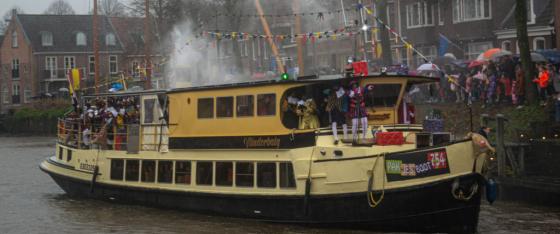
389 138
360 68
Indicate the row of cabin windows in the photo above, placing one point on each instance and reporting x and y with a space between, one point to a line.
220 173
244 106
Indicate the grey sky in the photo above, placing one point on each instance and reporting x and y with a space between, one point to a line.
38 6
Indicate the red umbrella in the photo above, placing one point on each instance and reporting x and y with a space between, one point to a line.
476 63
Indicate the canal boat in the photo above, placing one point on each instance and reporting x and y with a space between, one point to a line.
229 150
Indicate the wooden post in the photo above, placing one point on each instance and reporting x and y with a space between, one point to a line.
500 132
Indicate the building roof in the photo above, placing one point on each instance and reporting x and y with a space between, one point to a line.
64 29
131 33
544 14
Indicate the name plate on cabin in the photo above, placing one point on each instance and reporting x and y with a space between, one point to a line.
414 165
290 141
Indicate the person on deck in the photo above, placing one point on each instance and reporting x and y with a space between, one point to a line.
357 110
336 114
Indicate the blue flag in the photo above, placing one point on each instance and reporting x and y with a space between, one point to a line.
443 45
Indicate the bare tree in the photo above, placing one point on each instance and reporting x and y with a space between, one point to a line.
525 54
8 16
112 8
60 7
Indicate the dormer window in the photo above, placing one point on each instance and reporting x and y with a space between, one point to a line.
46 39
81 39
110 39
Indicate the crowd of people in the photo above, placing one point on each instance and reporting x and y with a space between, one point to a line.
102 123
500 82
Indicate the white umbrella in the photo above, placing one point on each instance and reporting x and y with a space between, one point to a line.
450 55
428 67
538 58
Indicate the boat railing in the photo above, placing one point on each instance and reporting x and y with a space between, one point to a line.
72 132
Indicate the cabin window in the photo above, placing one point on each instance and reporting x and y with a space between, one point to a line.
148 110
287 179
205 108
68 155
382 95
245 105
244 174
224 173
204 173
183 172
60 153
117 168
148 171
266 104
266 175
224 107
165 171
132 169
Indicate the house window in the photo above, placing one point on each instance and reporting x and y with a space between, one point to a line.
245 105
91 62
27 95
506 45
539 43
530 12
165 171
470 10
429 52
135 69
110 39
132 169
15 68
117 169
5 95
81 39
14 39
224 173
46 39
50 66
287 179
244 174
224 107
69 63
476 48
148 171
15 94
266 175
440 12
183 172
266 104
113 68
206 108
419 14
204 174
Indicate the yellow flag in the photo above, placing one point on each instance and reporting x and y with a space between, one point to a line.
76 78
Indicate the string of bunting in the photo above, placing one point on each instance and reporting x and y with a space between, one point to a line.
312 36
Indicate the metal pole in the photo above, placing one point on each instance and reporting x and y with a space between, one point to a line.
500 131
365 32
95 48
147 46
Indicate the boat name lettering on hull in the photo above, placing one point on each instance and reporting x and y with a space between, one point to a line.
415 165
261 142
87 167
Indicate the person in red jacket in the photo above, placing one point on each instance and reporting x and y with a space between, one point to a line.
542 82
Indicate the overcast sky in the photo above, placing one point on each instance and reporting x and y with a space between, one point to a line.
39 6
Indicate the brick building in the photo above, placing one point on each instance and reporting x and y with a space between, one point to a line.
38 50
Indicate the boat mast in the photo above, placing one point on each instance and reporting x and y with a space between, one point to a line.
296 9
147 47
264 22
95 48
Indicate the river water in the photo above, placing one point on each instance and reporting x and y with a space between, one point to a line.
30 202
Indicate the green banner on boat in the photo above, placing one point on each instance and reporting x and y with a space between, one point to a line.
418 164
